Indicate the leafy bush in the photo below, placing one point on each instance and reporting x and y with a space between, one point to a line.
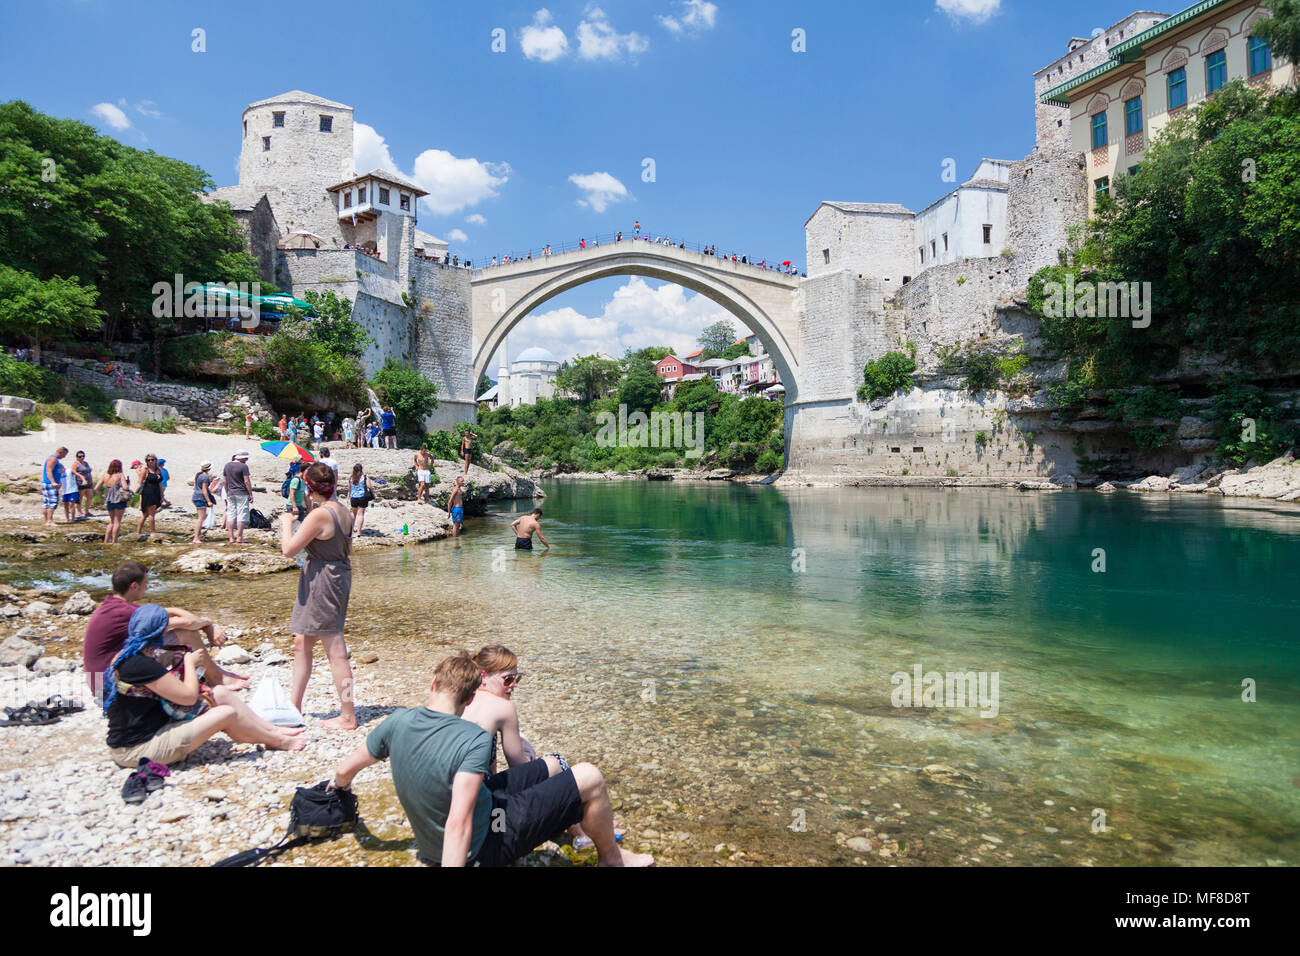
298 368
59 412
1237 405
28 381
769 461
412 396
666 459
982 371
265 431
981 438
886 375
94 400
1151 414
164 426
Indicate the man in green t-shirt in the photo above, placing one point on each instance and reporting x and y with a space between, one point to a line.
439 763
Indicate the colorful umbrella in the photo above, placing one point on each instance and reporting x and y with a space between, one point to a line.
287 450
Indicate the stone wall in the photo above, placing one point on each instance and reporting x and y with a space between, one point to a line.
443 339
191 401
873 244
1049 196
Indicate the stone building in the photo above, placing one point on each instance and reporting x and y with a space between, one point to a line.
1152 75
531 376
313 222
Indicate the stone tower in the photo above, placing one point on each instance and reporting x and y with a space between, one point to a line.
294 147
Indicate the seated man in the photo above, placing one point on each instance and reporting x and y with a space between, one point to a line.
439 764
106 630
159 711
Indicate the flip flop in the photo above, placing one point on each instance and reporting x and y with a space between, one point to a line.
29 716
59 706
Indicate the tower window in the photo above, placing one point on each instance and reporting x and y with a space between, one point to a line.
404 202
826 254
327 124
361 196
933 249
277 119
383 196
988 234
347 199
245 127
945 242
266 144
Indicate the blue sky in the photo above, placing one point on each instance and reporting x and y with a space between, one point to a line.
546 141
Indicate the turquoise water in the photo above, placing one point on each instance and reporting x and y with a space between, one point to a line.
1118 690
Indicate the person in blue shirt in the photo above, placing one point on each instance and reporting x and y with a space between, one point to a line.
165 477
389 422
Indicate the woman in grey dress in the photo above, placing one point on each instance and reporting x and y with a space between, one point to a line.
323 589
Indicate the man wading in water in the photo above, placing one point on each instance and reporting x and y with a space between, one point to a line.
456 506
524 527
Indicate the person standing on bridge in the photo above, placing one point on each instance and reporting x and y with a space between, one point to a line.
619 236
636 226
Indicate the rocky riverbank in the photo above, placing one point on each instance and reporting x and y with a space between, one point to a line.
1278 479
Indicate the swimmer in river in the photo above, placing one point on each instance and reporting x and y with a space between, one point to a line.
456 506
524 526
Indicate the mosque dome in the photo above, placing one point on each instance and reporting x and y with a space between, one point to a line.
535 354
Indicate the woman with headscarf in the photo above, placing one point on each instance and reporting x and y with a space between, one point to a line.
158 709
321 609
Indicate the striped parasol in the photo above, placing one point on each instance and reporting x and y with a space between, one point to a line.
287 450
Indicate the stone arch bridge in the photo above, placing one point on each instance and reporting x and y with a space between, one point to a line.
764 300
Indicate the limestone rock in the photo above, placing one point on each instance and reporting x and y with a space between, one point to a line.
1279 478
719 474
233 654
858 844
1066 481
139 412
27 633
79 603
38 609
15 652
24 406
1153 483
1189 427
53 665
10 610
1037 484
206 561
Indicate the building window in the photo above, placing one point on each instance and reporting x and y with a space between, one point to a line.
383 196
266 143
1133 116
1099 138
1261 57
945 242
347 200
1177 88
922 251
988 234
826 254
1133 170
245 127
277 119
361 196
1216 70
404 201
327 124
933 251
1102 186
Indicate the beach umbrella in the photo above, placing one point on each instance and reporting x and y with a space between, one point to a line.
281 301
287 450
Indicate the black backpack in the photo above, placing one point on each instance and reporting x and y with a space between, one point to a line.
258 521
314 814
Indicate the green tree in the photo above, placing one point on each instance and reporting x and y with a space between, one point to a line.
717 338
1282 31
334 326
38 311
735 351
652 354
886 375
588 376
484 383
412 396
641 387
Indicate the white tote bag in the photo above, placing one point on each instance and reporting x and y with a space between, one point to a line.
272 705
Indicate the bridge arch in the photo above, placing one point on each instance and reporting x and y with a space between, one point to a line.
762 300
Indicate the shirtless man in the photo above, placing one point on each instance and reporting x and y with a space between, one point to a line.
456 506
466 441
524 526
423 462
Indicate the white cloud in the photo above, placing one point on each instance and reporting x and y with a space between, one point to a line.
698 16
638 315
598 40
111 115
457 235
542 40
976 11
602 189
147 108
476 219
369 150
454 182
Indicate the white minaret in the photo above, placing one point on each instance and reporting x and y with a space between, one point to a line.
503 375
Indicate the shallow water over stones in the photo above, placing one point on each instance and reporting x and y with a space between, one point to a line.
742 709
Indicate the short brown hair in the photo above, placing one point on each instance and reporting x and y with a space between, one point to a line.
496 657
538 512
458 675
127 574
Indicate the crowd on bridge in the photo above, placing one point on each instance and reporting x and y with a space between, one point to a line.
785 267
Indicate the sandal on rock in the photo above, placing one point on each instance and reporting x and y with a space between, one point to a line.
59 706
30 715
153 773
135 789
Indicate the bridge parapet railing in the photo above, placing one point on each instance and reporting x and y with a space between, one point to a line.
511 257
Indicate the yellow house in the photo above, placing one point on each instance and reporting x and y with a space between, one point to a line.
1116 108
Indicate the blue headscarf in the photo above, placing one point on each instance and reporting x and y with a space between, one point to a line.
145 629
